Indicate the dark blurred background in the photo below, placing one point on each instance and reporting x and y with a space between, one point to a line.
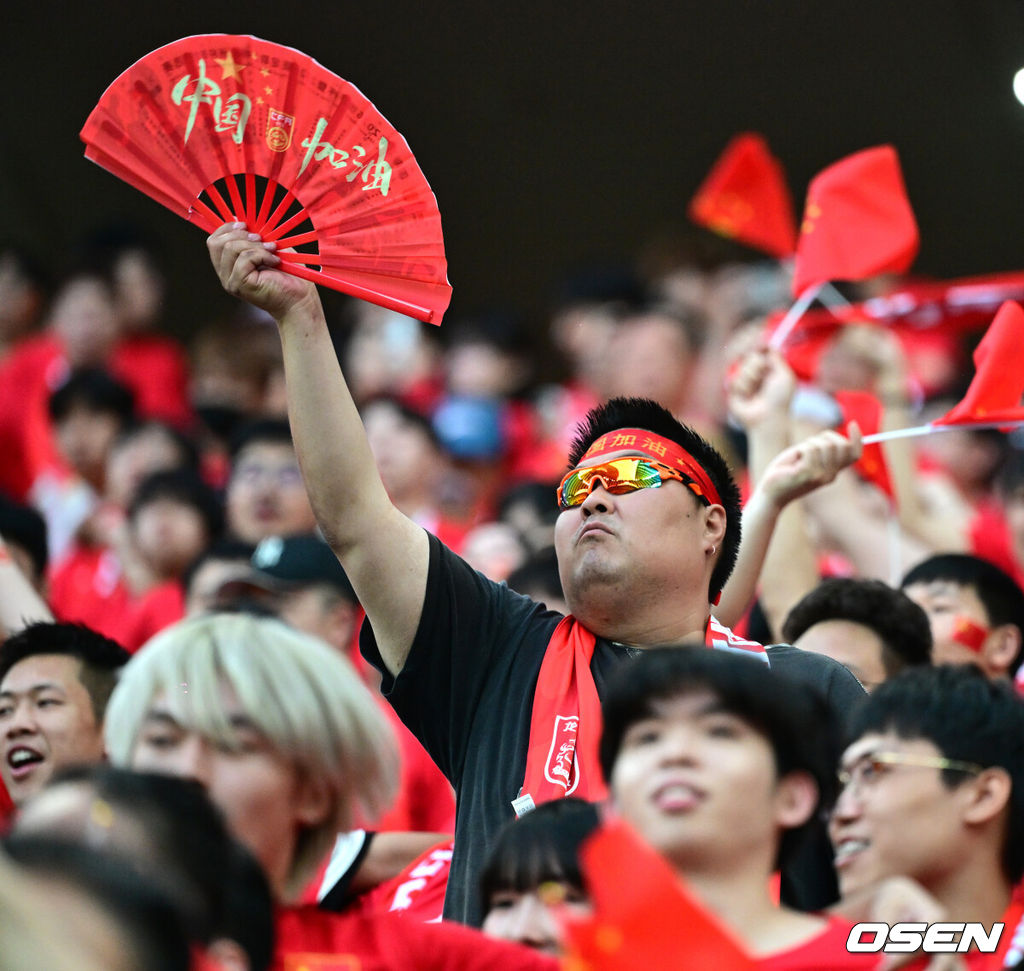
556 132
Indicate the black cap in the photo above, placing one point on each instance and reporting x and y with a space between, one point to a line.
283 563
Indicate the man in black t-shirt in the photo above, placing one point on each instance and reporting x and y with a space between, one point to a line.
503 694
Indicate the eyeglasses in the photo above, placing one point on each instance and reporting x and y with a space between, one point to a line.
619 476
283 476
868 769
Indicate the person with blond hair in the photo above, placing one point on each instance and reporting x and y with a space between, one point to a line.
293 749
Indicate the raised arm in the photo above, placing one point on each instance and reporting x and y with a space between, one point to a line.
759 393
775 547
384 554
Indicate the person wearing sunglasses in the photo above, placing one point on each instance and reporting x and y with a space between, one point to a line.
504 694
932 789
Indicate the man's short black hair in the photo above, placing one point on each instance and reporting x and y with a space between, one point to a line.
27 265
689 321
535 495
186 488
410 416
24 527
614 284
538 575
262 431
95 390
188 451
540 847
999 593
103 245
795 720
649 415
100 657
85 267
900 624
233 550
967 717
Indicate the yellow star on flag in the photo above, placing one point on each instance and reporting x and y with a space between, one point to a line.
264 72
268 89
228 67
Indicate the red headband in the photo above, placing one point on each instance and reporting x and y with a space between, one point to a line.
667 451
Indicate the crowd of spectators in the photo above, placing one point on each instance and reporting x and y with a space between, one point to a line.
214 565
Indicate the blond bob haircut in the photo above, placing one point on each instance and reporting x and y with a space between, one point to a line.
303 697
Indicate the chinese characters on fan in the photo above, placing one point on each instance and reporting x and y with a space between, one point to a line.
230 115
233 113
319 150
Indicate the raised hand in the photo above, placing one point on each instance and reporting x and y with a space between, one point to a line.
809 464
761 388
248 268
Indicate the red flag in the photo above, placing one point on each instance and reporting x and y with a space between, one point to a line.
644 916
745 197
857 221
866 410
995 393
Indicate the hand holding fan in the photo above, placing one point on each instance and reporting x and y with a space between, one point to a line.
224 128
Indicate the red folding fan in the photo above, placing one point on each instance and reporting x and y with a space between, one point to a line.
223 128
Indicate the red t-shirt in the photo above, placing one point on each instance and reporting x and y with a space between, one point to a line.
313 940
156 369
826 950
87 588
426 800
28 375
153 367
6 809
1010 948
417 892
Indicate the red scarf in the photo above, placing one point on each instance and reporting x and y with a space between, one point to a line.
565 726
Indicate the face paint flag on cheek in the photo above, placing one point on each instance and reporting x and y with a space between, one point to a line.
968 633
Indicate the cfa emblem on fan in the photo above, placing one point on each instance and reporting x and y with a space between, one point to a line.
279 130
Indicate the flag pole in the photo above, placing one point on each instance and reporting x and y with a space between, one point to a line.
794 313
928 429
